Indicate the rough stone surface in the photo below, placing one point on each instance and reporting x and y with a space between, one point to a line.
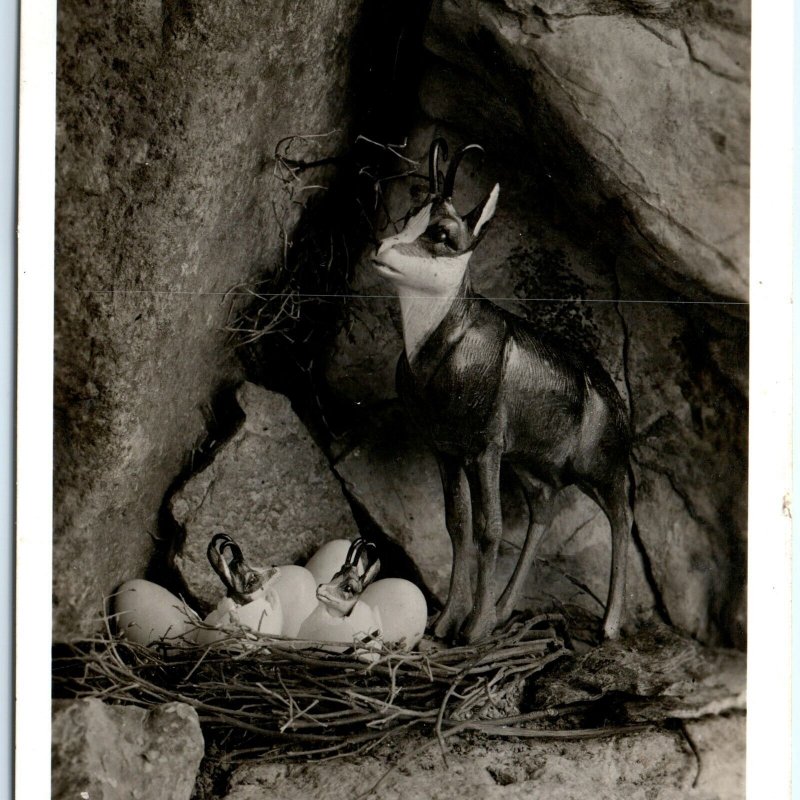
168 116
642 107
269 487
690 454
108 752
683 366
636 767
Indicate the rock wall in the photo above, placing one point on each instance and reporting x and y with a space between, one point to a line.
643 104
168 116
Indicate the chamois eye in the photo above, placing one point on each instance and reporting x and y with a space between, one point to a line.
439 235
436 234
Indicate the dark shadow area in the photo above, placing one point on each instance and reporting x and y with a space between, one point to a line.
223 418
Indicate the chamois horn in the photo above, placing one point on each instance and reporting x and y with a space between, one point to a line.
450 178
438 148
221 542
355 552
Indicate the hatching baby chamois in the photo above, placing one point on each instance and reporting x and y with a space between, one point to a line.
485 388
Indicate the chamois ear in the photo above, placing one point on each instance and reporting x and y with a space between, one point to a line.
371 573
416 226
479 217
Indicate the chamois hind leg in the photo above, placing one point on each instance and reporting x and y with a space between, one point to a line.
484 482
613 499
539 499
457 504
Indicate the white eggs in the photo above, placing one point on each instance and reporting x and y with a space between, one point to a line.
148 614
391 610
328 560
318 603
323 626
297 590
402 609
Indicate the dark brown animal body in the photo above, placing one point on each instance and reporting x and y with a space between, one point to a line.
486 389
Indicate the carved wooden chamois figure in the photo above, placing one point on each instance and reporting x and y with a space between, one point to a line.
485 387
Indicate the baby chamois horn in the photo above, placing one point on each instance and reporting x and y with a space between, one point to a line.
486 388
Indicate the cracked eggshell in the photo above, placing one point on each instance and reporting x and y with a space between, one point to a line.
149 614
402 608
263 615
322 626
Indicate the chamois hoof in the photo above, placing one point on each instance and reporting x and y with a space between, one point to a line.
611 629
447 626
504 613
478 627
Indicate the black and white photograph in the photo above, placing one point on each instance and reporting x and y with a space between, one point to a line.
400 400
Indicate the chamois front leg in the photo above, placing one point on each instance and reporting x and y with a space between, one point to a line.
484 480
457 503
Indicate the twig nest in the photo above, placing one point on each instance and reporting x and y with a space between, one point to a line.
297 591
402 609
328 560
149 614
352 705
